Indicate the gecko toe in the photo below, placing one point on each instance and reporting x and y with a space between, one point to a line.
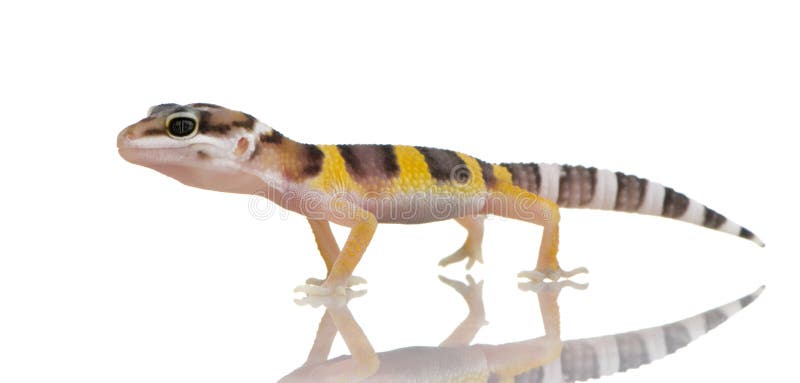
471 254
355 280
317 290
352 281
315 281
538 287
538 276
576 271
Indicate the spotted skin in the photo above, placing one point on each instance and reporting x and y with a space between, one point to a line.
273 137
630 192
398 169
445 166
362 185
525 176
487 173
576 185
365 163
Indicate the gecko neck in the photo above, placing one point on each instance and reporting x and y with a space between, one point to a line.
283 162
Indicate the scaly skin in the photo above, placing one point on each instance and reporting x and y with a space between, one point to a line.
360 186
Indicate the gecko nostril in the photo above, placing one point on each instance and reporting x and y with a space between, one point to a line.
123 138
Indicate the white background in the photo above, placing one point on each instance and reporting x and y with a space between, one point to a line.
111 272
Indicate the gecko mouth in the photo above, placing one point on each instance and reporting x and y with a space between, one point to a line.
193 166
154 156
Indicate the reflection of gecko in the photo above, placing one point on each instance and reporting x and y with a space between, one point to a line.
526 361
360 186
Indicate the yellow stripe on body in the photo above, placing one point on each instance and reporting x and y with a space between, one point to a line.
502 175
334 178
476 183
414 176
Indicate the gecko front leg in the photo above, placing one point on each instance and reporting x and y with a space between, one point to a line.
363 225
329 250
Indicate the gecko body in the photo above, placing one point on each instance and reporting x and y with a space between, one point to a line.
360 186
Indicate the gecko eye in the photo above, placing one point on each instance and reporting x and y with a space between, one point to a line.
182 125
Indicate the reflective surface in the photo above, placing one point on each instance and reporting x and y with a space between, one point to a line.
456 359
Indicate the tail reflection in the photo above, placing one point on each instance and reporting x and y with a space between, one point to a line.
543 359
584 359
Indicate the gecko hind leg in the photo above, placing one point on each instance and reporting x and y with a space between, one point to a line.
513 202
471 249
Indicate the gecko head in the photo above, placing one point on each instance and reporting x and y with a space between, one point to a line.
201 145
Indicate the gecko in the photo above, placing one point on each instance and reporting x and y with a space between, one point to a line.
360 186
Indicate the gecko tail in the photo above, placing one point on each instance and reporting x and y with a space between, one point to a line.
591 188
592 358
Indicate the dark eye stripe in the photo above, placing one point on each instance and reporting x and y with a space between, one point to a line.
153 132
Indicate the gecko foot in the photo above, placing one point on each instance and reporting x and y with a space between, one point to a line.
537 276
322 288
330 300
471 253
352 281
539 287
472 293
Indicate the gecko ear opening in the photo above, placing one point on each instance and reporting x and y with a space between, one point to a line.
242 146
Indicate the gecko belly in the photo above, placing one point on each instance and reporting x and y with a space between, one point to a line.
421 207
403 208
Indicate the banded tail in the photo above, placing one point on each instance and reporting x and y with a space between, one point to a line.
591 358
592 188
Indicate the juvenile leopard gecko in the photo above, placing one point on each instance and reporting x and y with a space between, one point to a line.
360 186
